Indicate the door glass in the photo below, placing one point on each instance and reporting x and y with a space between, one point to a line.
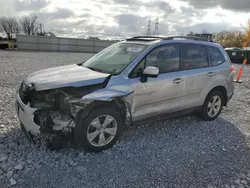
193 56
137 72
166 58
215 56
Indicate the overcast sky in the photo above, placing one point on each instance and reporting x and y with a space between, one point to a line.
123 18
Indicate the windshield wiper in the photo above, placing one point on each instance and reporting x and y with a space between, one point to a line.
94 69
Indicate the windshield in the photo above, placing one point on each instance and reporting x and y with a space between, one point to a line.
115 58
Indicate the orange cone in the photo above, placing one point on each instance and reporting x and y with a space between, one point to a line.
238 78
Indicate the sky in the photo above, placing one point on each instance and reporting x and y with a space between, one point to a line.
126 18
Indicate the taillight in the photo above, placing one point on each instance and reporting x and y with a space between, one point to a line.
232 69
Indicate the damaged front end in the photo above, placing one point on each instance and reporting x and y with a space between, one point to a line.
50 111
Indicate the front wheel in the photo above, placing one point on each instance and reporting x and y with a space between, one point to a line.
100 129
212 106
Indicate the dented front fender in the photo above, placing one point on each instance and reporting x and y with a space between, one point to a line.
106 94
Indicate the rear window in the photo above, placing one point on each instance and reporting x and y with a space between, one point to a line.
215 56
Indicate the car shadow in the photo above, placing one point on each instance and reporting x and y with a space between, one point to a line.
177 152
193 152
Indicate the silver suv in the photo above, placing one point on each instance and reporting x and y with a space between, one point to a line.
134 81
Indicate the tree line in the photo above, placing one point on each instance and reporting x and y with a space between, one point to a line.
236 38
10 26
28 25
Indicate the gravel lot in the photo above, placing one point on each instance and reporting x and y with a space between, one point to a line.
179 152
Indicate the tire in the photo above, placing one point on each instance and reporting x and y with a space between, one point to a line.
206 113
91 134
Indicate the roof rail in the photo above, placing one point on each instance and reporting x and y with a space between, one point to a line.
145 38
153 38
185 37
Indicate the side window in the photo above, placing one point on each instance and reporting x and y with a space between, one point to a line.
166 58
137 72
193 56
215 56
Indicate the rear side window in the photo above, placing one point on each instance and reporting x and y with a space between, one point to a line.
215 56
193 56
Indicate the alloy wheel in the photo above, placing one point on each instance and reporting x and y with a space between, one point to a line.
102 130
214 106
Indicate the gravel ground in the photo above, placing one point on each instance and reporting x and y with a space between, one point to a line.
179 152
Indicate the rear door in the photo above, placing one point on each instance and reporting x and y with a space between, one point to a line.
220 67
195 68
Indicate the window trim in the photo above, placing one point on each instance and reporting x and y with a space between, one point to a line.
208 63
156 47
138 64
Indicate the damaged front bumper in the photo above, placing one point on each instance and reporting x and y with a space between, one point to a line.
26 117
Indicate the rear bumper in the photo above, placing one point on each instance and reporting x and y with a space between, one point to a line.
26 117
230 88
230 97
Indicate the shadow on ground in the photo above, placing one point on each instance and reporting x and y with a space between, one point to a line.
180 152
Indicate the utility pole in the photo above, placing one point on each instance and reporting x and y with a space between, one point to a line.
156 32
149 28
41 30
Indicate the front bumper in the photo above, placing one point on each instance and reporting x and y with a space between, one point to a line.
26 117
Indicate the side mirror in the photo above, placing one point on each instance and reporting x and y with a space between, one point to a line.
151 71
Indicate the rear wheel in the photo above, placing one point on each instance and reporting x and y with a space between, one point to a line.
212 106
100 129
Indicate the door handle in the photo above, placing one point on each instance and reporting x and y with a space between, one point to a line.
210 74
177 80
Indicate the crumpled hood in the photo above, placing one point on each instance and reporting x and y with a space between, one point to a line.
65 76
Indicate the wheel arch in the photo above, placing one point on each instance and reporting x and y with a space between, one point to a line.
221 89
118 103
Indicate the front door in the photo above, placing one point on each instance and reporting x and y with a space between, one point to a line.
164 93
